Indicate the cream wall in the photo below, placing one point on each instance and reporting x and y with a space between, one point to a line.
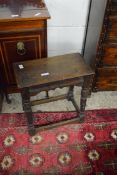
66 27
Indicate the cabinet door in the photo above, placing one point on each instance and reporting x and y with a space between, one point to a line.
16 48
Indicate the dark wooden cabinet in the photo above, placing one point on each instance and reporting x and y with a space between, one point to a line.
1 100
23 35
1 94
106 57
100 49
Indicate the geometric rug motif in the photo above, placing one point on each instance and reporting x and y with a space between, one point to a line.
88 148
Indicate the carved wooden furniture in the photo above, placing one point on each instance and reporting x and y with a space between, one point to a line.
106 58
1 93
1 99
23 35
56 72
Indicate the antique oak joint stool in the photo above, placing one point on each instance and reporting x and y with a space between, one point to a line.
47 74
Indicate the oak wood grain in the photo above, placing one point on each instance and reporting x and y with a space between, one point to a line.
59 68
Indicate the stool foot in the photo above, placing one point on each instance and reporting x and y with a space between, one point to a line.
47 94
7 98
32 131
81 117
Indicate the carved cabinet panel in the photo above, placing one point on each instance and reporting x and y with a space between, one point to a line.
107 78
106 59
20 48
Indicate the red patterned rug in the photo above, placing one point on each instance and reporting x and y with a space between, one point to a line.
74 149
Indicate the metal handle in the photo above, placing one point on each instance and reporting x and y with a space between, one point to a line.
20 48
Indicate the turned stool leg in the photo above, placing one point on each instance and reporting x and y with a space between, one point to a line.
47 94
1 99
86 89
6 95
70 97
7 98
27 109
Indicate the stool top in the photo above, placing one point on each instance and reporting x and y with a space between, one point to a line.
50 70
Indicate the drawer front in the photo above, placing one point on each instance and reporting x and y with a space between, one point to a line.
109 54
106 79
19 48
21 25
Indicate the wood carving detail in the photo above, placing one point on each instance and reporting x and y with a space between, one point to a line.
106 57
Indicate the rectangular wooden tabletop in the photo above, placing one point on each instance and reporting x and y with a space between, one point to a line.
50 70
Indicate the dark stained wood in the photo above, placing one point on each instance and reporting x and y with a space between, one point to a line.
109 54
113 27
59 68
50 73
55 125
23 22
1 99
1 92
112 35
34 49
107 78
106 59
15 10
27 108
46 100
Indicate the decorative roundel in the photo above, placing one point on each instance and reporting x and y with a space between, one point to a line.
89 137
93 155
36 160
9 141
62 137
36 139
114 134
64 158
7 162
